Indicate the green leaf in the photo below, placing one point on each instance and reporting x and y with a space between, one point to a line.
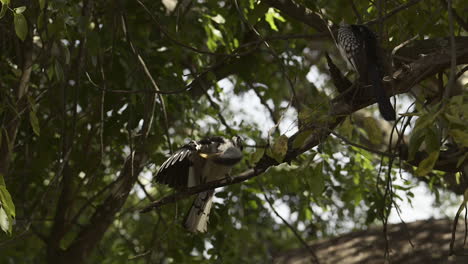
425 120
279 149
251 4
20 9
21 26
5 198
460 136
257 13
219 19
426 165
317 181
253 204
346 128
454 119
270 17
42 4
66 54
34 123
58 71
416 139
431 139
4 221
40 21
4 9
301 138
257 155
373 131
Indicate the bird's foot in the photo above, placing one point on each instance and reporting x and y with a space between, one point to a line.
229 178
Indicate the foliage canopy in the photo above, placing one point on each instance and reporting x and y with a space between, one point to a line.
95 95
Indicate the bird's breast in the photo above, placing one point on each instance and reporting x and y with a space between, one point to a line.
213 171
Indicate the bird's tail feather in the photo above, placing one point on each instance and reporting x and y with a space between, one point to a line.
197 218
385 106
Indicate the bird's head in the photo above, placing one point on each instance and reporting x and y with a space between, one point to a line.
238 142
228 153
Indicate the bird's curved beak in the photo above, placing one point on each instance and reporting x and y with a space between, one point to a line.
229 157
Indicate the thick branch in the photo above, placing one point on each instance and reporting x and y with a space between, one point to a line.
406 79
105 213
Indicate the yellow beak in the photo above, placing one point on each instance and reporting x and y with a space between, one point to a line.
208 156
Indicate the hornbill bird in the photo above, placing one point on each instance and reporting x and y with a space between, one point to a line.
359 47
196 163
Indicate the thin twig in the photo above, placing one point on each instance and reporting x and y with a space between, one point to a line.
283 69
461 72
460 20
147 125
394 12
356 12
185 89
218 112
103 96
295 232
149 196
466 226
166 33
453 55
264 103
454 227
347 141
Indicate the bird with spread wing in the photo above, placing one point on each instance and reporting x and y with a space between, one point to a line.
196 163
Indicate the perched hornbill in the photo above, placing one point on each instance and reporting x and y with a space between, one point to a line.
359 46
196 163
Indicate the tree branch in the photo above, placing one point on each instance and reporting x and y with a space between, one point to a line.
11 119
300 13
404 81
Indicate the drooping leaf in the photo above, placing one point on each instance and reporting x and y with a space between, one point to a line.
431 139
346 128
301 138
4 221
58 70
425 120
42 4
5 198
373 131
21 26
257 155
317 181
271 16
426 165
20 10
279 149
416 139
460 136
7 208
34 122
5 4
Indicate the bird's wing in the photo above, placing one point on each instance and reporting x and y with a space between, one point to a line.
175 171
